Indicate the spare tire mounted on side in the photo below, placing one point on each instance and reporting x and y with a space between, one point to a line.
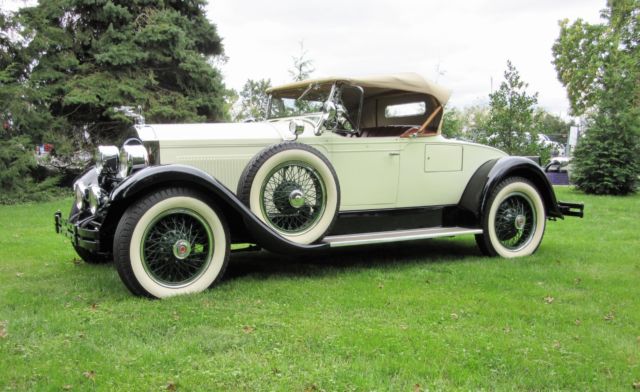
294 189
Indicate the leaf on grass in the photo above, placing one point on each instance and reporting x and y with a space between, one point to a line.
248 329
556 344
76 261
507 329
549 299
67 387
93 307
311 388
454 316
171 386
380 285
577 281
90 374
176 316
578 321
636 385
19 274
416 388
403 326
3 329
609 316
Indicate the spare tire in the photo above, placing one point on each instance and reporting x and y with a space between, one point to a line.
294 189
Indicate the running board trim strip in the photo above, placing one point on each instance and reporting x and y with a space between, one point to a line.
396 236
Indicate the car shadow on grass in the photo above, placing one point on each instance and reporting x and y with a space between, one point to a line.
263 264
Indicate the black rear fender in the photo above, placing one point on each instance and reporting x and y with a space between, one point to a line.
491 173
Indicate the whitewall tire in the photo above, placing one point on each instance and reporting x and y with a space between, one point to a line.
171 242
514 220
294 189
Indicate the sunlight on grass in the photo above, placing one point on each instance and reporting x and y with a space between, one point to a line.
434 314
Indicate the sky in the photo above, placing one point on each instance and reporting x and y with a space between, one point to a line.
461 44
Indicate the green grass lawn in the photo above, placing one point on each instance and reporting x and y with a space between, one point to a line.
431 315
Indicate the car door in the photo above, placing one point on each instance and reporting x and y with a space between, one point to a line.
367 170
431 172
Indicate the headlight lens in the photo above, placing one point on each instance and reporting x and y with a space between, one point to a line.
95 199
80 191
132 157
107 159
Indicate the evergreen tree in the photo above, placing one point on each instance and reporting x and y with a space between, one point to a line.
66 64
510 126
82 58
302 66
598 64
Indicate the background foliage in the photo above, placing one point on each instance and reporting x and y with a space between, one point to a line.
66 64
599 65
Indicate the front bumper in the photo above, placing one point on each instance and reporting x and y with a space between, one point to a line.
80 235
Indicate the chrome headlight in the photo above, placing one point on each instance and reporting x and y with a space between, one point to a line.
80 191
132 157
107 158
95 199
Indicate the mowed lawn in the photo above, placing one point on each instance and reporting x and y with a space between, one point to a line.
433 315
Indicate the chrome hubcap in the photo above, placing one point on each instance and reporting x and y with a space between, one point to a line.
520 221
296 198
181 249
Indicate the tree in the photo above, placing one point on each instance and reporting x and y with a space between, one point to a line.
510 125
69 63
83 58
598 65
302 65
453 123
551 125
253 99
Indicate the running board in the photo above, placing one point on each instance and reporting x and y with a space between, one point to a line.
396 236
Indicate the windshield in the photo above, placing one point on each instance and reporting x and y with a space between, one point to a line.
298 102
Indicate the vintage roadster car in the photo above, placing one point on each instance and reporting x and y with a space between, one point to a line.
337 162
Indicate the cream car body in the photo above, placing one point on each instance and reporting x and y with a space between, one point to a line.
374 172
338 162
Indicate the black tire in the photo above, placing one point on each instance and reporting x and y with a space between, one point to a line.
87 256
514 220
157 256
294 189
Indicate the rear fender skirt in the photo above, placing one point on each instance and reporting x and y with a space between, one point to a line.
172 175
491 173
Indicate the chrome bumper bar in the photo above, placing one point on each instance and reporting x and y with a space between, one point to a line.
80 236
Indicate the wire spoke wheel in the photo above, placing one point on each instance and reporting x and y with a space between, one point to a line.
177 247
293 197
515 221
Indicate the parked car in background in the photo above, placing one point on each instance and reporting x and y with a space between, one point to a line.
339 162
558 170
557 149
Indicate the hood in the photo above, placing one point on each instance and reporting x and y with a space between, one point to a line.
213 131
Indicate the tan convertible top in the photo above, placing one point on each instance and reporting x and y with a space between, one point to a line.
409 81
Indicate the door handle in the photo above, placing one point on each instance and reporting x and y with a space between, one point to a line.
394 154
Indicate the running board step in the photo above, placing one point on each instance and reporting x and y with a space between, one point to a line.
396 236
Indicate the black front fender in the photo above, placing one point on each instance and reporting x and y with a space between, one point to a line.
155 177
491 173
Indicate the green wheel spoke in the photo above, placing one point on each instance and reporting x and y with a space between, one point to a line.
177 247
